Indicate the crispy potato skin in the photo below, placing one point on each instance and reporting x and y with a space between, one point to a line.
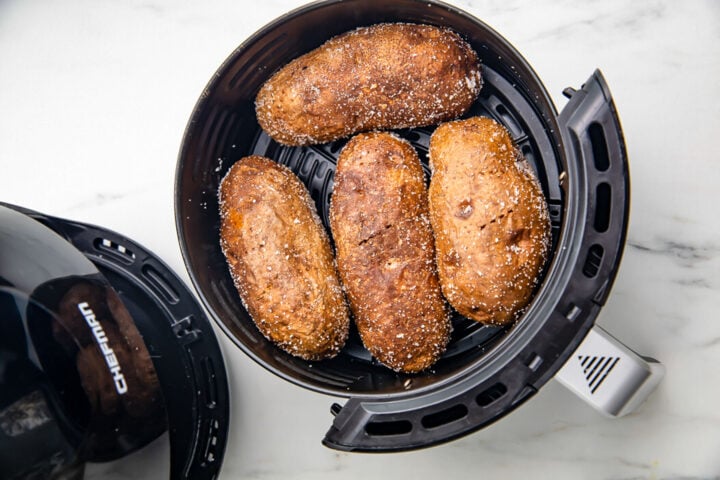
490 220
385 252
385 76
281 260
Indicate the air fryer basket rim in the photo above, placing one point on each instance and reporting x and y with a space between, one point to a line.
558 274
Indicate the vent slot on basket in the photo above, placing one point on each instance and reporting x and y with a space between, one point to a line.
593 261
491 395
444 417
603 204
384 429
599 147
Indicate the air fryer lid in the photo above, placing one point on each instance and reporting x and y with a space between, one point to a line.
579 158
95 334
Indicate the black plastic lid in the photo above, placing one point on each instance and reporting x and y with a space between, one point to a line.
186 362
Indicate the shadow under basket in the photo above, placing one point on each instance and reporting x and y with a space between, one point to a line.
578 156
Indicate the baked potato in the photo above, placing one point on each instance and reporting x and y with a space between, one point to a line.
385 76
490 220
385 252
281 260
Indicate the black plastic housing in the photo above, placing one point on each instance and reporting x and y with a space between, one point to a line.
176 332
486 371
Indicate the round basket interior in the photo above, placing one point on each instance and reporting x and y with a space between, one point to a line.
223 128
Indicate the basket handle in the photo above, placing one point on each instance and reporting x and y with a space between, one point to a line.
608 375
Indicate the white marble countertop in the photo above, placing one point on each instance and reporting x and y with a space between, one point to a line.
94 98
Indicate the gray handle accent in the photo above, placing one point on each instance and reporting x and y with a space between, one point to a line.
608 375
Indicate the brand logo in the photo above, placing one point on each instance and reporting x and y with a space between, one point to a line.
102 341
596 369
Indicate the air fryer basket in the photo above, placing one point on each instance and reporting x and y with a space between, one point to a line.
224 129
579 158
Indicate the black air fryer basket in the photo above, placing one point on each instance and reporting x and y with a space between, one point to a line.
579 157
